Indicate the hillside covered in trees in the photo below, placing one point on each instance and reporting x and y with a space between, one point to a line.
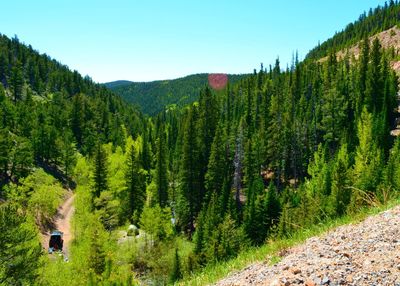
275 153
376 20
153 97
49 116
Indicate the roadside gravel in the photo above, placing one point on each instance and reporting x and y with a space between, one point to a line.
367 253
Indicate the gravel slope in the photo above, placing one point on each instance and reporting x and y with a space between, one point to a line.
367 253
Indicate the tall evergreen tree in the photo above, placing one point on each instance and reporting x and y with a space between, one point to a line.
190 198
96 259
367 171
374 81
363 70
217 163
17 81
161 168
146 156
340 182
100 176
207 125
135 184
20 249
176 270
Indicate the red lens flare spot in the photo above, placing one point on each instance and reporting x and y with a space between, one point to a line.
217 81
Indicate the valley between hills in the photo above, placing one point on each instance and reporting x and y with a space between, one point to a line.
284 175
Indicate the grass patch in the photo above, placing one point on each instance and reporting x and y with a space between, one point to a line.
270 252
274 260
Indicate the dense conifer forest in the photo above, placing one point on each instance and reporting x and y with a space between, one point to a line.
278 151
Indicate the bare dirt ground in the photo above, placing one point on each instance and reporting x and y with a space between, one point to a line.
62 222
389 38
367 253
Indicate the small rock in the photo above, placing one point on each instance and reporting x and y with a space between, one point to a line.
367 263
317 281
310 283
298 281
285 282
285 268
349 279
296 271
275 282
325 281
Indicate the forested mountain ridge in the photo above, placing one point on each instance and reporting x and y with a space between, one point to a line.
118 83
152 97
49 117
375 21
63 101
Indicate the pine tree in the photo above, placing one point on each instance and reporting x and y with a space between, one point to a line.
252 221
284 226
161 168
208 112
100 176
190 197
276 138
363 69
340 182
77 120
21 157
392 172
207 125
96 259
367 170
176 273
374 81
40 136
5 150
272 206
146 156
217 165
20 249
333 117
17 81
68 152
238 170
135 183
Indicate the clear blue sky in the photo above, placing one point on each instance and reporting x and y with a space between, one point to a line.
148 40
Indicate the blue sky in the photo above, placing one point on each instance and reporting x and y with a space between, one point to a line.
149 40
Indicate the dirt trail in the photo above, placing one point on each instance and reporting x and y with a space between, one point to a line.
62 222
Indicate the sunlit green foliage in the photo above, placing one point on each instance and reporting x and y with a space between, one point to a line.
19 244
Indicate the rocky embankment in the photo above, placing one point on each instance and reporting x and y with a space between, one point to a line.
367 253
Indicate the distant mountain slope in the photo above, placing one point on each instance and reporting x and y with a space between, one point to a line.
118 83
153 96
375 21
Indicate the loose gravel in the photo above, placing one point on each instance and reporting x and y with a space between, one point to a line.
367 253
